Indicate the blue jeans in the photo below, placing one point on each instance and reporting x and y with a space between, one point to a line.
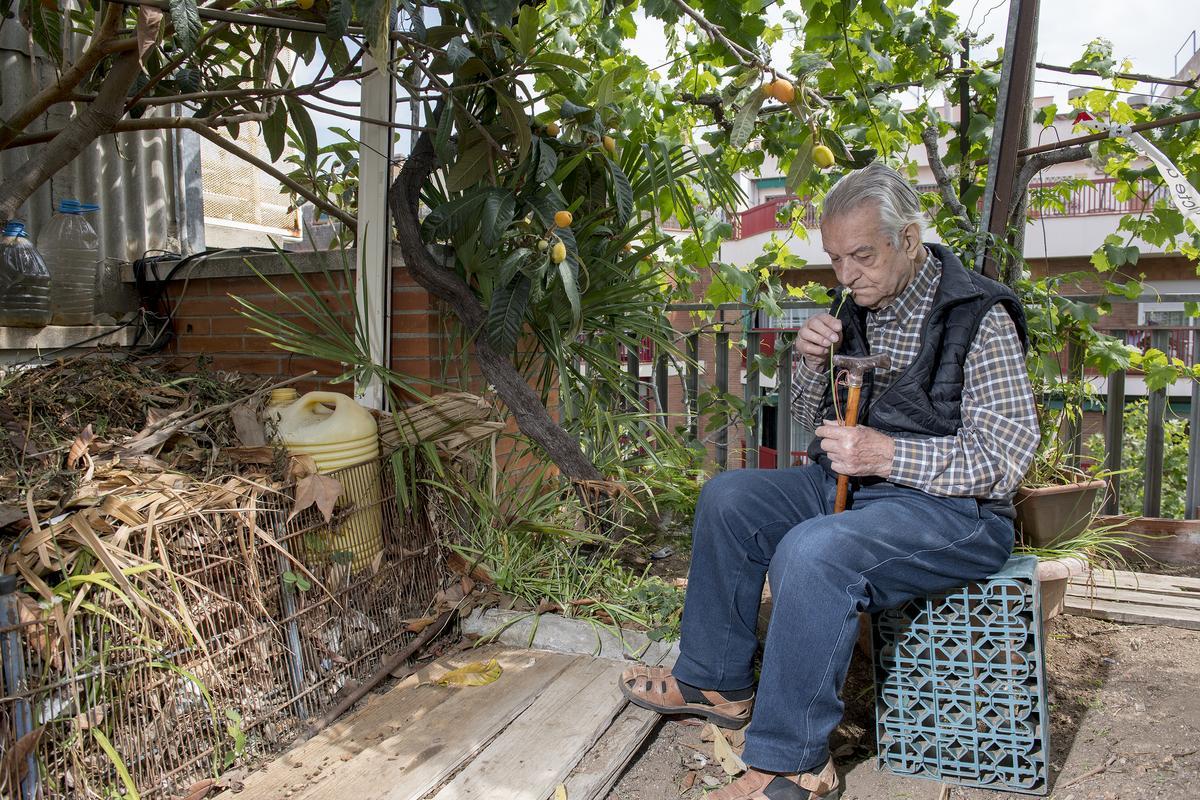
892 545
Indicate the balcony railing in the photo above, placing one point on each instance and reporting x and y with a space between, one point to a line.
673 394
1095 199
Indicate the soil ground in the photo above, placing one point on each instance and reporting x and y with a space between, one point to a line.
1125 725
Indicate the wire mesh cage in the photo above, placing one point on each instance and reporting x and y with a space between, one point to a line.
262 616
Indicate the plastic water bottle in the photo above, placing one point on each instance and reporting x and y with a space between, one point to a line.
24 280
72 251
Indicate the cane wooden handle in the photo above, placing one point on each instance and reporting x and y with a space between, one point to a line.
851 419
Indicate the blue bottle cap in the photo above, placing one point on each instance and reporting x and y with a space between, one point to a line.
72 206
14 228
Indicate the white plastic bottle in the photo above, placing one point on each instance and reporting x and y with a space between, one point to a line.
72 251
24 280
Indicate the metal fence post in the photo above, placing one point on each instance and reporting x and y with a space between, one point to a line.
783 412
1192 498
693 384
11 657
660 388
287 594
1155 413
721 365
1074 432
1114 436
633 366
752 393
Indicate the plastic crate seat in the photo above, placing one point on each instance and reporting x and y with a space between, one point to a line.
960 691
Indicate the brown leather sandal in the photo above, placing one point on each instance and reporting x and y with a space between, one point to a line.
655 688
756 785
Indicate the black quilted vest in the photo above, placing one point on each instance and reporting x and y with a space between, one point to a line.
925 400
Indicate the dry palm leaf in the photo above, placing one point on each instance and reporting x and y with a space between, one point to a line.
79 447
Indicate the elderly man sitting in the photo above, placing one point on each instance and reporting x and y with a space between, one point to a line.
947 431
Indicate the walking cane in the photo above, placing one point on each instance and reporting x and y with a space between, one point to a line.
856 368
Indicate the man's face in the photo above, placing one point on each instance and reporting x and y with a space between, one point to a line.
864 258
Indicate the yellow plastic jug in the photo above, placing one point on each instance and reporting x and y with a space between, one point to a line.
337 432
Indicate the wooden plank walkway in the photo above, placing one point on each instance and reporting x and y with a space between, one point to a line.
537 726
1136 597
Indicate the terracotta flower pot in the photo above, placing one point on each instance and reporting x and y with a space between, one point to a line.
1048 515
1054 575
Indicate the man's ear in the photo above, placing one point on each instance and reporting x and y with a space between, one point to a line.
911 240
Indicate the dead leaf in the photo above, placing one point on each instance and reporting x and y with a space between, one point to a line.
200 789
246 424
476 673
90 718
547 606
10 514
16 760
321 490
730 761
301 466
418 625
149 23
689 780
251 455
456 563
560 792
79 447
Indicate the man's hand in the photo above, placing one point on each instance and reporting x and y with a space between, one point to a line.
857 451
816 336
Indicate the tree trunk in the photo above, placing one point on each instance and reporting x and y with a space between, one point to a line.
95 120
531 415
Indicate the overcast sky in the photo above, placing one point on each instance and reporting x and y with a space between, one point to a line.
1147 32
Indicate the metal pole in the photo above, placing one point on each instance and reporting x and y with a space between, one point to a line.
721 365
295 653
633 367
783 412
752 394
693 384
1075 358
1155 413
1114 436
1192 501
11 657
964 118
373 265
1012 103
660 388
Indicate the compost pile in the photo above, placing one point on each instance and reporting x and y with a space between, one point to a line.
78 430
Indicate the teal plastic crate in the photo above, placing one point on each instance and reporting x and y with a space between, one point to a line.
960 684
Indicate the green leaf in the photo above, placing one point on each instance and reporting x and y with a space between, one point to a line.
186 19
441 139
506 314
567 270
547 161
802 164
623 192
456 214
338 18
500 12
561 60
471 166
527 27
458 53
1048 114
573 110
747 116
376 16
498 210
46 27
517 121
303 125
274 130
118 763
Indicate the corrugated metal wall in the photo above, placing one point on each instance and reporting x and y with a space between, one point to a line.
132 176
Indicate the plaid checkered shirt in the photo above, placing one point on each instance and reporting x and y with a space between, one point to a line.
990 454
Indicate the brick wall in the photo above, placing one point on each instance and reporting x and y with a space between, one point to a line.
207 322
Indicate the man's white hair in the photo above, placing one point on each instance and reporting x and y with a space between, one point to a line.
877 183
